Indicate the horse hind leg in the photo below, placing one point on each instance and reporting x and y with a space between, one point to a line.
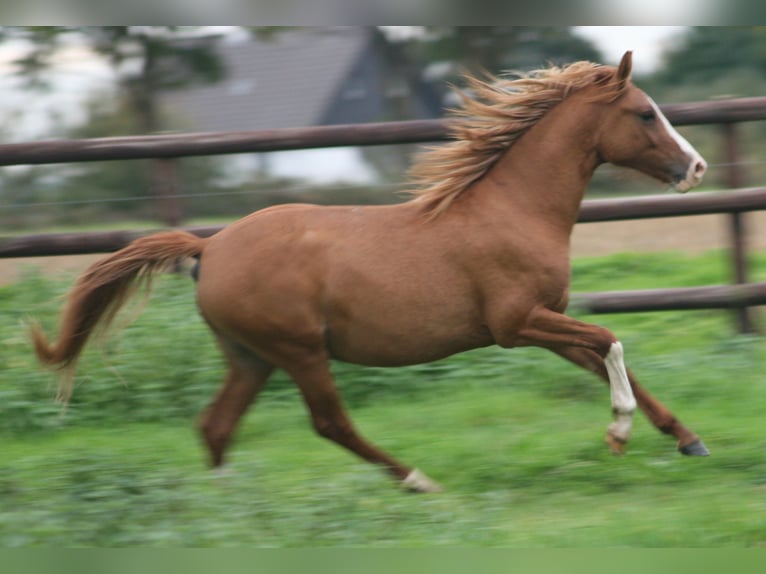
313 378
246 377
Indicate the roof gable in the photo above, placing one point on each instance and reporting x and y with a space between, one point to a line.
288 80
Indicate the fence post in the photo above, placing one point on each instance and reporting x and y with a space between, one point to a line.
165 184
737 228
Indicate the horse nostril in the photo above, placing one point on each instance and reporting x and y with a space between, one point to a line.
699 168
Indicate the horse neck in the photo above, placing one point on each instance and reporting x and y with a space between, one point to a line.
544 174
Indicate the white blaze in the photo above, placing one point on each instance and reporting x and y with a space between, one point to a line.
695 159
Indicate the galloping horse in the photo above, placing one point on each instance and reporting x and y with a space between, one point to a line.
479 256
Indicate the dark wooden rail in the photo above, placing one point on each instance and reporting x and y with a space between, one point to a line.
217 143
593 210
47 244
675 299
694 203
194 144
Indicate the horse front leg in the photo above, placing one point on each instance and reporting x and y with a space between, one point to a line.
660 416
598 350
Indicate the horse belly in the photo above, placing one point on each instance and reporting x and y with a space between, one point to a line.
391 335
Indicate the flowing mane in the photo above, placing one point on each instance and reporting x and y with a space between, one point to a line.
490 121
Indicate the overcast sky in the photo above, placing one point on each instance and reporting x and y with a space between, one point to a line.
647 42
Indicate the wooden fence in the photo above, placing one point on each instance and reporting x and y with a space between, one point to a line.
739 296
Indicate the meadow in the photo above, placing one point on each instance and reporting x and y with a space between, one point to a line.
514 437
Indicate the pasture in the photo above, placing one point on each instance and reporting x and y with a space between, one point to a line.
515 437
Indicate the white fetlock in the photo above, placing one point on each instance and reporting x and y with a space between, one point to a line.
622 426
618 433
623 400
416 481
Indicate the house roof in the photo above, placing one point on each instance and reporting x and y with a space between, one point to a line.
287 80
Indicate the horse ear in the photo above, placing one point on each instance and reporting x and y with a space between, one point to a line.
623 70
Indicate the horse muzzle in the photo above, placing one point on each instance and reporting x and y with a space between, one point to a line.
693 175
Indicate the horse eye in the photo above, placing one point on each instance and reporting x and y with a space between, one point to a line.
648 116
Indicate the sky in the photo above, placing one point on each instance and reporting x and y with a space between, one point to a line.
647 42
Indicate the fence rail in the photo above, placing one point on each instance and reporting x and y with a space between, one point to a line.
735 202
674 299
214 143
593 210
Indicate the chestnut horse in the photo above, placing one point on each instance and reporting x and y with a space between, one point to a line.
480 256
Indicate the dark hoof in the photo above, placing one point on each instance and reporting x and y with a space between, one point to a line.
696 448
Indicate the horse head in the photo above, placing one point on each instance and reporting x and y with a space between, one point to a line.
633 132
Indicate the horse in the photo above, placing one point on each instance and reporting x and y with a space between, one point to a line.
478 256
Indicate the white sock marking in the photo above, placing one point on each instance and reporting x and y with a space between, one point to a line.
416 481
623 401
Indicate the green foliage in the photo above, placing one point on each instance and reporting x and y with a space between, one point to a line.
126 379
498 49
146 58
147 61
42 42
514 436
519 470
706 53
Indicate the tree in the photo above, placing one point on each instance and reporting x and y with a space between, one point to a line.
441 55
147 61
497 49
706 54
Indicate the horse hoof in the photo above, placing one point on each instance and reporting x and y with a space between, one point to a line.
222 472
616 444
696 448
416 481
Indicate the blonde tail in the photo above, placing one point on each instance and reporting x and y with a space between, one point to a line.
100 293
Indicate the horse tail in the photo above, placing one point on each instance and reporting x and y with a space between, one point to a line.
102 290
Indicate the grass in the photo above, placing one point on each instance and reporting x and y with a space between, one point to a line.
515 437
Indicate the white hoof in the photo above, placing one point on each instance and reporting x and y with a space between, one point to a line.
622 426
416 481
223 472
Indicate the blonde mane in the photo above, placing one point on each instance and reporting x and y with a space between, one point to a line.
490 121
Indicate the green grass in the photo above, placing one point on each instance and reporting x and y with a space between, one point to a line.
515 437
